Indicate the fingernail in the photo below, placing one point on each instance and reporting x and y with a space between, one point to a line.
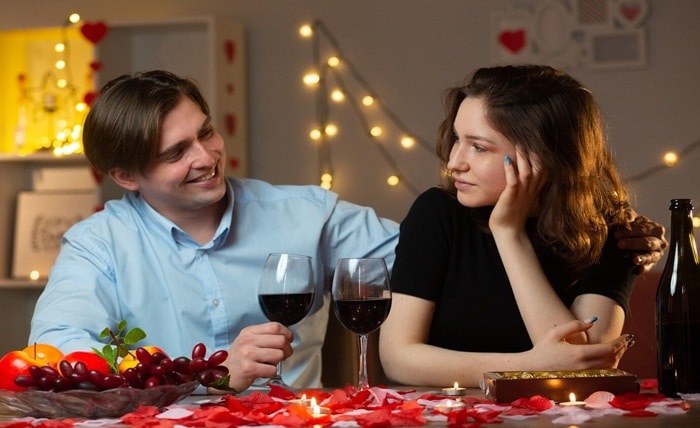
630 340
507 160
590 320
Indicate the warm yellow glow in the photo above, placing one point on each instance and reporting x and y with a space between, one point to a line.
81 107
62 123
61 83
326 177
34 275
311 78
392 180
60 64
696 221
59 47
333 61
306 30
337 95
74 18
367 100
75 134
376 131
315 134
326 185
670 158
407 142
331 130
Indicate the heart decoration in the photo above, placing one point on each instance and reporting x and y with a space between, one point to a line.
231 124
513 40
229 88
96 65
89 97
230 51
632 12
94 32
233 163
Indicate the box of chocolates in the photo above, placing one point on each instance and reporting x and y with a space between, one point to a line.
508 386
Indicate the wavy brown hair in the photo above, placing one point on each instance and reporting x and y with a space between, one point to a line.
549 114
122 128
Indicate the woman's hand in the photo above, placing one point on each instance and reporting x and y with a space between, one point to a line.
524 179
256 351
553 352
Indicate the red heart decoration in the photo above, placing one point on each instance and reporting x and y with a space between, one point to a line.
230 50
89 97
229 88
514 40
94 32
96 65
630 12
231 123
233 162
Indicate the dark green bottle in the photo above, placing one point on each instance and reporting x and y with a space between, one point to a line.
678 308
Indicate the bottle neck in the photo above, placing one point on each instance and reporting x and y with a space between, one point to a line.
682 238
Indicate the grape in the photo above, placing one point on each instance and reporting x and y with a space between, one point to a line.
152 370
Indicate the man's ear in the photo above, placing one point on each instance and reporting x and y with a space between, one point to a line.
123 178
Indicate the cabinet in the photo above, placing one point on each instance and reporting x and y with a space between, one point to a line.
210 50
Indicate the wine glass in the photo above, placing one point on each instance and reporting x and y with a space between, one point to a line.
361 298
286 293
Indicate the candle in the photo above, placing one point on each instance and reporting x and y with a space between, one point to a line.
318 411
572 402
455 390
303 401
447 406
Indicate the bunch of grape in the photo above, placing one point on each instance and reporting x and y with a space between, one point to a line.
152 370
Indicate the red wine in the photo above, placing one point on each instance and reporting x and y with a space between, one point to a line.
287 309
679 353
362 316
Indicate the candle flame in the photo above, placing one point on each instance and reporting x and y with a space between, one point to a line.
313 403
572 397
456 385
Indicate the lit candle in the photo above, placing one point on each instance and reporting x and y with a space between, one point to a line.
572 402
447 406
455 390
303 401
318 411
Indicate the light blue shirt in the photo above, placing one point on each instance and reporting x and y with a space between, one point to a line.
129 262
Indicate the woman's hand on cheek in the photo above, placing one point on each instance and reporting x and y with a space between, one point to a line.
519 197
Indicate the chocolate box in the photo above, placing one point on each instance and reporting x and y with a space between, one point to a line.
506 387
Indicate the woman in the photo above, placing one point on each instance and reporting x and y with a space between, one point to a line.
512 264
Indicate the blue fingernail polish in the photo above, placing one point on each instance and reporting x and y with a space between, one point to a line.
507 160
593 319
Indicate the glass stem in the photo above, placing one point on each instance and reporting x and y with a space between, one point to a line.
277 379
362 375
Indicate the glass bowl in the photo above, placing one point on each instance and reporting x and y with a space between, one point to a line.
110 403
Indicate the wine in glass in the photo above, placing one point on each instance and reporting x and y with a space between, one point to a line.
286 293
361 298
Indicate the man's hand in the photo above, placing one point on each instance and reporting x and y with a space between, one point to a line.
256 352
644 237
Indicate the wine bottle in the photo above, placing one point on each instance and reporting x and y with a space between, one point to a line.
678 308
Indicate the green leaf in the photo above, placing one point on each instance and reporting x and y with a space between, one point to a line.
121 326
133 336
105 333
222 384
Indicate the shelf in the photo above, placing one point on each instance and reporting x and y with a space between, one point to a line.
42 157
19 284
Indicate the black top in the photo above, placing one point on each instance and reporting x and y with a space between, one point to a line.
445 257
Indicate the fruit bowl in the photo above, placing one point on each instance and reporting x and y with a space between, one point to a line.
110 403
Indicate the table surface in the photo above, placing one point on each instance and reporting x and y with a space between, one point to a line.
690 419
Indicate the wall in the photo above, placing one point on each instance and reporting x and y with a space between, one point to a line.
409 51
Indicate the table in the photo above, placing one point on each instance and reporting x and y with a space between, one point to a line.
690 419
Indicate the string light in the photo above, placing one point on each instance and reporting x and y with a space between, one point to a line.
331 68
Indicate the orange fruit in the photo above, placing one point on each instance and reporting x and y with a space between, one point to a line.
130 359
46 354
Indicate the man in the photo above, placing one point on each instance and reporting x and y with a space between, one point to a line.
180 255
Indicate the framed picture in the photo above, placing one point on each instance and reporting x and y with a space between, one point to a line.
41 220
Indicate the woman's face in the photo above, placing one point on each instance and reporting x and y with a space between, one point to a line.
477 156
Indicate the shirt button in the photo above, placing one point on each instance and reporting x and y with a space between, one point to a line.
215 302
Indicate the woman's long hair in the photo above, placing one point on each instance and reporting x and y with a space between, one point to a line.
548 113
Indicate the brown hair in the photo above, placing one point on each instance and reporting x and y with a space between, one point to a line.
122 129
550 114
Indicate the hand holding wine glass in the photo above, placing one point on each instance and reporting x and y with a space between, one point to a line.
286 293
361 301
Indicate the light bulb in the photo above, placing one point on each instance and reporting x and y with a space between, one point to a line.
326 185
311 78
376 131
315 134
333 61
367 100
74 18
326 177
60 64
331 129
392 180
59 47
696 221
337 95
407 142
670 158
306 30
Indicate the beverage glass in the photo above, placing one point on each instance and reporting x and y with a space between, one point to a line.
286 293
361 298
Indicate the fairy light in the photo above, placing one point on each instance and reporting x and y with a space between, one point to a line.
337 95
376 131
315 134
331 130
367 100
306 31
392 180
60 64
311 79
408 142
670 158
59 47
333 61
74 18
696 221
